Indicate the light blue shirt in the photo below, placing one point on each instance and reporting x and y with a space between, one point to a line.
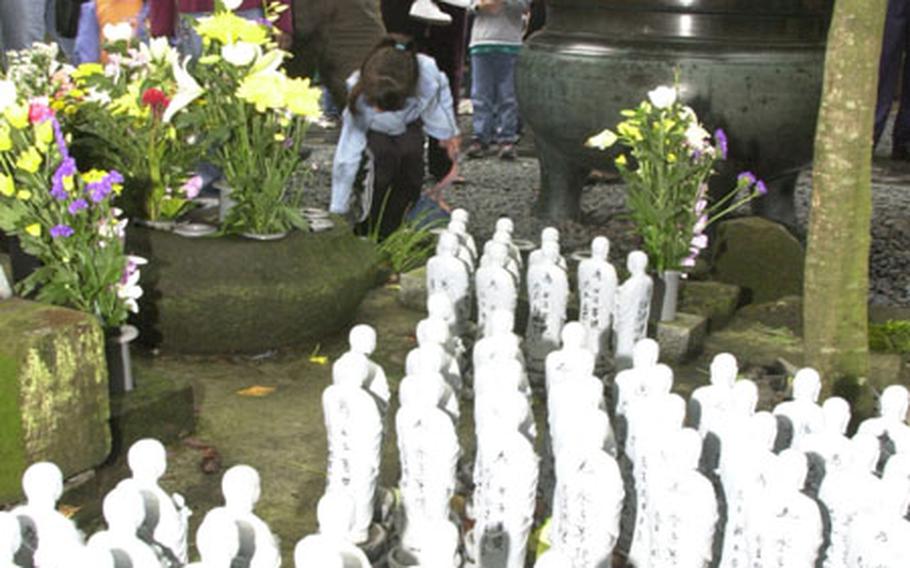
432 103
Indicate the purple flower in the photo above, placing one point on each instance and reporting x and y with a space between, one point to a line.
99 190
721 138
63 231
761 188
58 136
192 187
67 168
77 206
746 179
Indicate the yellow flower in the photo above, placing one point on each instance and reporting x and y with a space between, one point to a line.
630 131
301 99
34 230
87 70
44 134
17 116
77 93
621 161
93 176
23 195
68 183
279 137
227 28
29 161
128 103
209 59
671 158
667 124
6 185
265 90
117 188
602 141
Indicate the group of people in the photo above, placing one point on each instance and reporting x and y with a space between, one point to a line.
392 70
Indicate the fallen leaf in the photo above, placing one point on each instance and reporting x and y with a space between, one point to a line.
256 391
395 287
68 511
319 359
211 461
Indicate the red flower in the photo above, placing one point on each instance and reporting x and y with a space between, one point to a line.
39 112
156 99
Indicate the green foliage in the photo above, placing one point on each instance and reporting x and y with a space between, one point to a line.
410 245
892 336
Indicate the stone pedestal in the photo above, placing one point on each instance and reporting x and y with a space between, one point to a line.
681 338
53 391
413 289
716 301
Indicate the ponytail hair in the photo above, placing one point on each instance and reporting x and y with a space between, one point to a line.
388 75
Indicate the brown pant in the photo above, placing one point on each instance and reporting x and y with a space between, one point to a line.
398 170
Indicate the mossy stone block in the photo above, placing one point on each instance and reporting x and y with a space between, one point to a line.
412 292
760 256
682 338
53 391
159 407
236 295
716 301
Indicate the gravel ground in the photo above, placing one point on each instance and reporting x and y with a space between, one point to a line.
494 188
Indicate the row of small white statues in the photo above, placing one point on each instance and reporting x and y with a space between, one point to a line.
666 483
614 316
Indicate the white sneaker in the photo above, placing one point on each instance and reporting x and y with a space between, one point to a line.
429 12
457 3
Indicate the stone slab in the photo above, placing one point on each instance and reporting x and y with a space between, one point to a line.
159 407
760 256
717 301
53 391
412 291
682 338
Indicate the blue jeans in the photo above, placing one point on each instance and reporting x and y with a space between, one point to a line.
23 22
88 44
189 42
894 63
493 96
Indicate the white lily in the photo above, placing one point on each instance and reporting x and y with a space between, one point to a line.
662 97
8 94
240 54
697 137
602 141
232 4
117 32
188 89
158 50
269 63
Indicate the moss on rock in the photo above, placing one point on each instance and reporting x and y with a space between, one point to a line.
230 294
716 301
53 391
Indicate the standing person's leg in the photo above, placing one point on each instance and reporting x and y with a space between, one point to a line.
87 48
889 65
35 21
67 44
483 96
900 148
506 105
12 20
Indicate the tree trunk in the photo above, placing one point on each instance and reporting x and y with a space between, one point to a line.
837 258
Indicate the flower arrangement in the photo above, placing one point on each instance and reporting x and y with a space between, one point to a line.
63 217
37 70
122 109
254 117
672 158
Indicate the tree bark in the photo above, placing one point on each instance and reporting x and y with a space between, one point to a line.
837 257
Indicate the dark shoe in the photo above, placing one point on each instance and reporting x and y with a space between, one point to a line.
900 152
507 152
476 150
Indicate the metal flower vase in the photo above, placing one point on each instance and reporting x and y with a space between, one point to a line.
117 352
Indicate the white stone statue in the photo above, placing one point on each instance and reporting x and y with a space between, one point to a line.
166 516
892 419
10 539
633 305
597 284
733 431
803 412
432 336
553 558
710 404
335 514
506 227
684 511
362 339
94 556
448 274
241 488
467 249
217 540
6 291
496 288
628 385
898 469
505 499
829 449
46 533
846 492
504 407
439 307
880 533
570 406
788 523
573 359
548 301
443 541
124 511
430 382
354 430
548 235
499 343
647 407
587 511
513 256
